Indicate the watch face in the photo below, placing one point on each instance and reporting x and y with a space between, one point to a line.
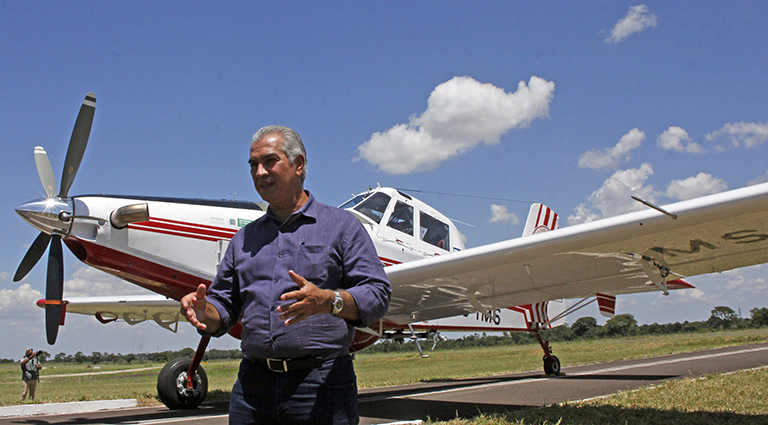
338 304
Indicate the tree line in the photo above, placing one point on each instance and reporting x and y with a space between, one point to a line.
97 357
621 325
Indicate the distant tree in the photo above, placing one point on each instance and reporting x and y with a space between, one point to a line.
759 316
44 356
621 325
582 325
186 352
80 357
722 317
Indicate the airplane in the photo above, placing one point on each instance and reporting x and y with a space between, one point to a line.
170 246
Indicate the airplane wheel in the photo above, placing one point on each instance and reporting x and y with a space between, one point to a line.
172 383
551 365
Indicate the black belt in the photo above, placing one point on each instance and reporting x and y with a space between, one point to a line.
288 365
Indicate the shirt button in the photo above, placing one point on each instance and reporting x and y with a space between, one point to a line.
275 280
280 255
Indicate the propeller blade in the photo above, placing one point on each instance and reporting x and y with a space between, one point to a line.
54 288
32 256
45 172
77 143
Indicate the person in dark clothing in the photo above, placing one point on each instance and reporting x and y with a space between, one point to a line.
298 279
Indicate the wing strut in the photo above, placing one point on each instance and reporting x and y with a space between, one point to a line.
655 207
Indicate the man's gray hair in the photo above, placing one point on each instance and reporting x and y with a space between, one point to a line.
292 144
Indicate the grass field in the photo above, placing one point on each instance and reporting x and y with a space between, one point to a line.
70 382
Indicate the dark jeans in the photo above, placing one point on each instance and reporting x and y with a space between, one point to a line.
326 395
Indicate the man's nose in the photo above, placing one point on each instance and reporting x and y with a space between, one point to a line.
260 170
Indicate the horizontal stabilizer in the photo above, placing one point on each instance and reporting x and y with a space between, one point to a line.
607 305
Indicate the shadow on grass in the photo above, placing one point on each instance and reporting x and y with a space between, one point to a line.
412 409
578 415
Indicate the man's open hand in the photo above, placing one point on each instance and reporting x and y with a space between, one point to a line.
193 306
310 300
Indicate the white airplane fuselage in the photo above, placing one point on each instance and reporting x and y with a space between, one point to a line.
182 243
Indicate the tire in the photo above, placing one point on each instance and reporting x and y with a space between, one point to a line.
551 365
172 382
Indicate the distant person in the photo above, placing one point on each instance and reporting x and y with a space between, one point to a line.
30 373
299 279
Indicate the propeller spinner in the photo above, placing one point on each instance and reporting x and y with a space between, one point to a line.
52 216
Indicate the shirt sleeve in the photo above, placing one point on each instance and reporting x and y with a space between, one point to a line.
364 276
224 292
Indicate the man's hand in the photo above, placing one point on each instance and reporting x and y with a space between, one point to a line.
309 299
195 308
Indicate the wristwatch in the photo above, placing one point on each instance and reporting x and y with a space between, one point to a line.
338 304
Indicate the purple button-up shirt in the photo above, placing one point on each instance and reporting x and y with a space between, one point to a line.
327 246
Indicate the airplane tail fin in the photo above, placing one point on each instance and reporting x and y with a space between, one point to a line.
540 219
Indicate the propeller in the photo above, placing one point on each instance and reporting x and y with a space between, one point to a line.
49 219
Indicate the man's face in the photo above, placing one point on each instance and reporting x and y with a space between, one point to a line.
275 178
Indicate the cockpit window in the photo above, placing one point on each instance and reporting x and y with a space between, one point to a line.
374 207
434 231
354 201
402 218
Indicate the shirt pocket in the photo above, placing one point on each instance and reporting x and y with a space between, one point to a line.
316 264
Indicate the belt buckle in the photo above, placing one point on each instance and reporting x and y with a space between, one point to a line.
283 365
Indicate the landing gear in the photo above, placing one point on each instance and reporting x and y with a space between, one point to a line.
551 365
172 385
183 384
551 362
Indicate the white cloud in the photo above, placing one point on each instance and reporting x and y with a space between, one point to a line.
673 138
750 134
22 298
499 214
638 18
693 187
613 157
90 282
613 198
583 214
461 113
5 276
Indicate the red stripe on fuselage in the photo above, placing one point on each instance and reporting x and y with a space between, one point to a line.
179 228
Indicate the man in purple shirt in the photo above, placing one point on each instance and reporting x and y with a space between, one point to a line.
298 279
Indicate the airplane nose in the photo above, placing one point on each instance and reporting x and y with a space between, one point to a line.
51 216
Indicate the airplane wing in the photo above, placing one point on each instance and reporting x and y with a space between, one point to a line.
132 309
622 254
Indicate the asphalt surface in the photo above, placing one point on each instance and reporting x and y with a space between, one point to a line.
448 399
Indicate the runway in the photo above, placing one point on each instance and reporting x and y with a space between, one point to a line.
448 399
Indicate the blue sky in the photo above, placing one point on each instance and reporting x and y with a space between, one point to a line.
574 105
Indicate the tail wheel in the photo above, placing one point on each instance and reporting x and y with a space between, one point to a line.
172 385
551 365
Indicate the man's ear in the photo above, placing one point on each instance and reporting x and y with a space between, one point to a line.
300 162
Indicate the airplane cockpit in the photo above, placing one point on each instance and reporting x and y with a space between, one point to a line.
407 227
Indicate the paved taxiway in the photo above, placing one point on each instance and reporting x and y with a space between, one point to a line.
443 400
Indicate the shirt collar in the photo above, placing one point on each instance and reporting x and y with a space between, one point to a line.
309 209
